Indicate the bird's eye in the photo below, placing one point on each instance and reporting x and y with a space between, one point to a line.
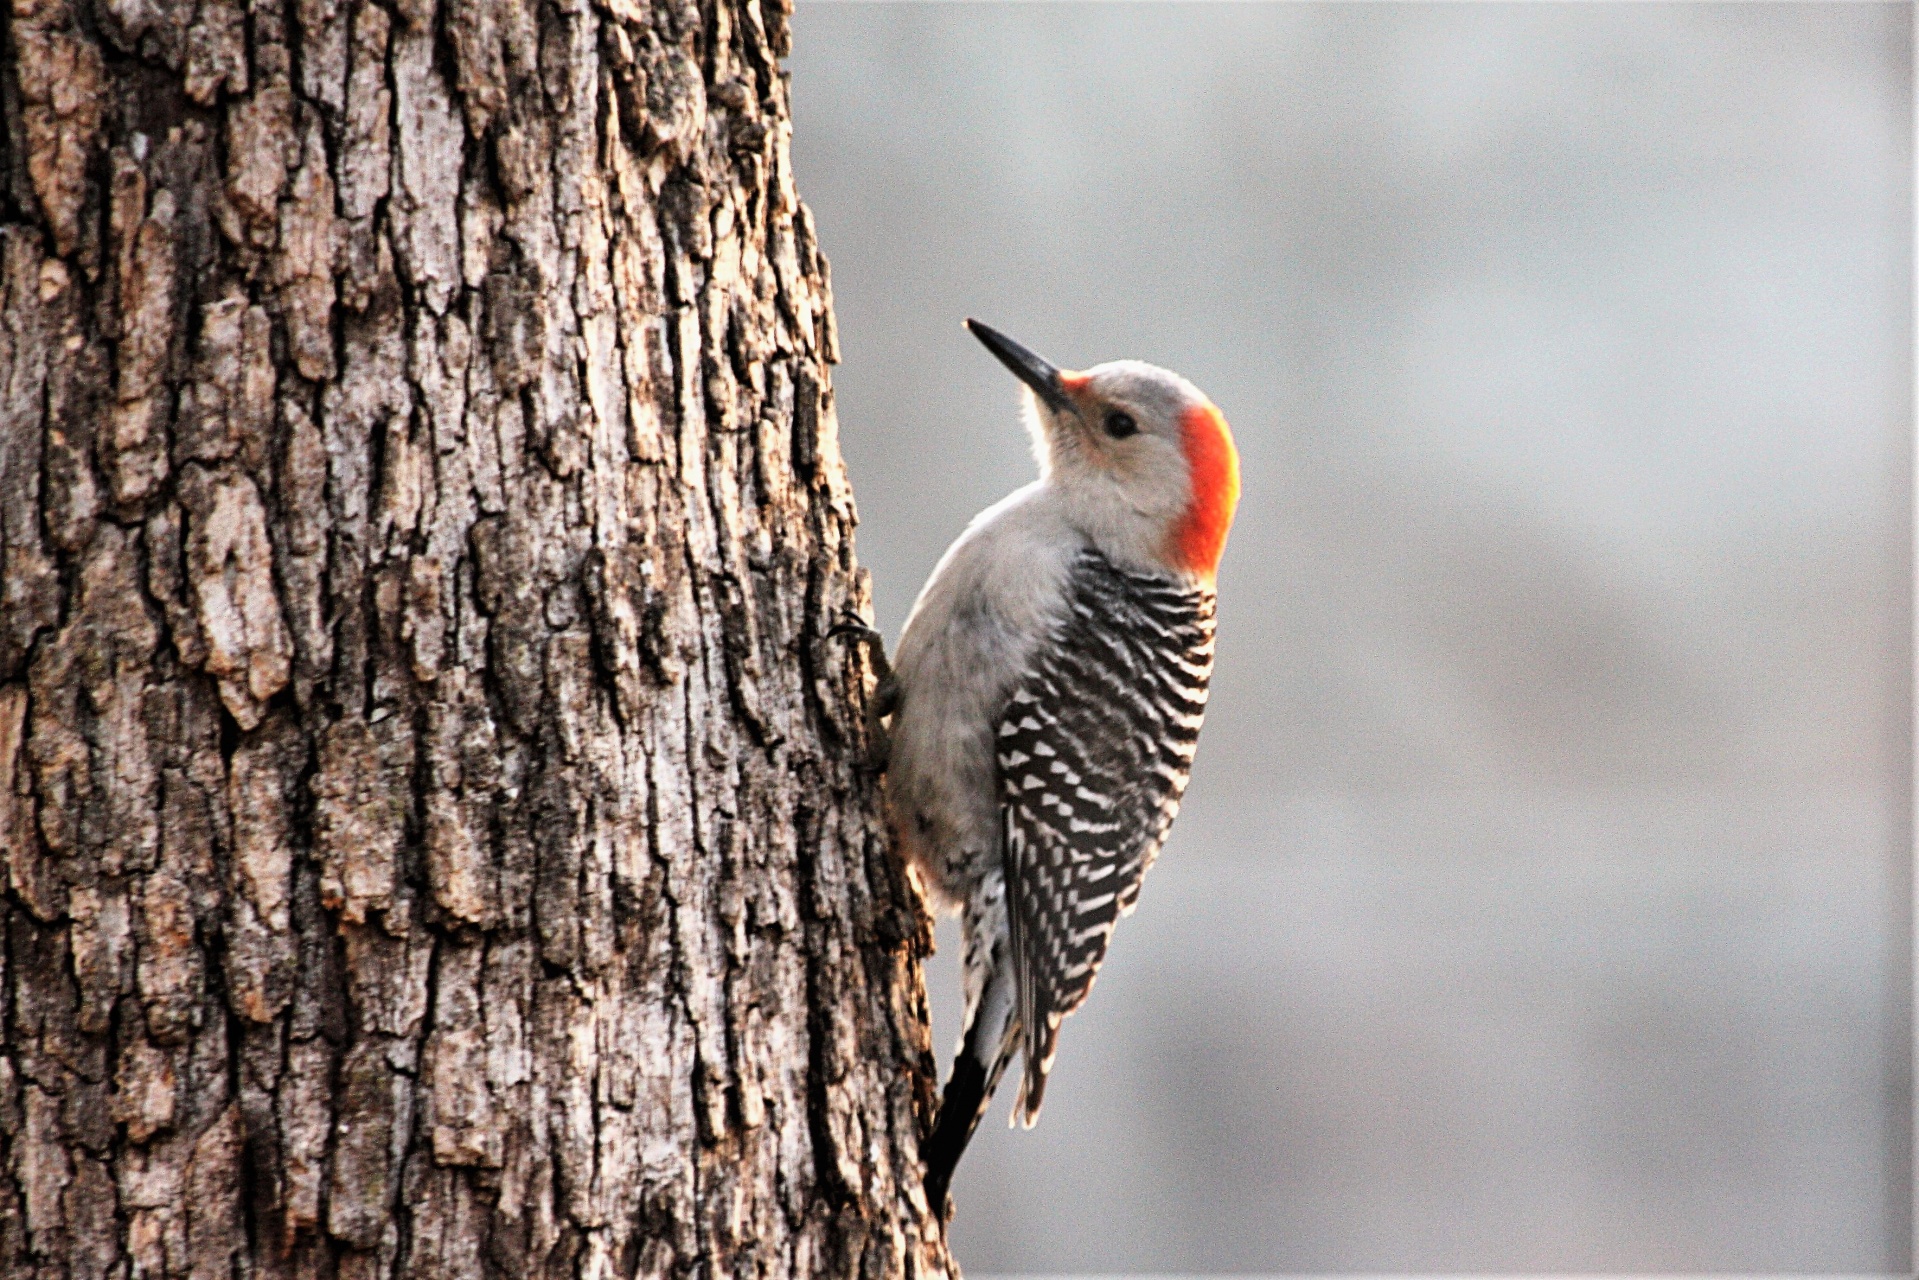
1120 424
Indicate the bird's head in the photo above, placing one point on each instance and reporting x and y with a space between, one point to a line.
1143 460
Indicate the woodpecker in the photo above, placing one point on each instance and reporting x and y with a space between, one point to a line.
1045 700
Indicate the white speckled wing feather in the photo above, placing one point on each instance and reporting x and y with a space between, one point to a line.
1094 749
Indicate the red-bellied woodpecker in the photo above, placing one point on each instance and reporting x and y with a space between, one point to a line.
1046 698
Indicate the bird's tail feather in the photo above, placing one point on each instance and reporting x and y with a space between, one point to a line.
1037 1052
961 1106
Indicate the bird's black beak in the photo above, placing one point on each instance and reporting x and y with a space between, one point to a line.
1036 373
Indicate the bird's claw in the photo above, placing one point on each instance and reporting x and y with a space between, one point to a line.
885 696
851 624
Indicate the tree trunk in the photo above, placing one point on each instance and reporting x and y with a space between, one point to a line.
433 838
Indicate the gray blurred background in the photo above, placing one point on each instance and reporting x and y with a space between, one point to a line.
1543 895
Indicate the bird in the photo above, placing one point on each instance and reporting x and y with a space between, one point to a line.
1036 725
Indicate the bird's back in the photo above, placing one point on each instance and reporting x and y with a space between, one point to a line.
1093 751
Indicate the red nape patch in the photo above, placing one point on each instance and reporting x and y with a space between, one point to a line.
1200 534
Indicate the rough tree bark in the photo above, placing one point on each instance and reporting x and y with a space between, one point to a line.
430 823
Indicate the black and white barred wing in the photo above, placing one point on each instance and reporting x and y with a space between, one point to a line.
1094 752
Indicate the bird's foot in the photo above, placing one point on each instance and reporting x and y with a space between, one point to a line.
886 690
851 625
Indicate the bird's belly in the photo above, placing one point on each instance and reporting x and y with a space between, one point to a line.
942 794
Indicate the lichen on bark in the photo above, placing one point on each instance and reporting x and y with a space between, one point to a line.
431 834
